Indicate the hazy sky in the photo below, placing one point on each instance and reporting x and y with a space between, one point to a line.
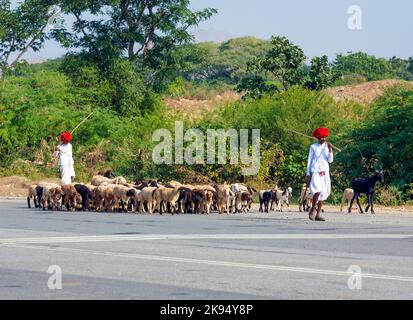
318 26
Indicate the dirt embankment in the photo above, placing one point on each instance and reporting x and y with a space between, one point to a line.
193 108
364 93
16 186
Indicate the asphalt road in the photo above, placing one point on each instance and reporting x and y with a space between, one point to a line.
252 256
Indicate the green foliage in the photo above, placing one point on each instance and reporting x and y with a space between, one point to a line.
145 33
383 140
23 27
226 62
284 61
360 63
283 66
36 107
321 74
389 196
119 87
402 69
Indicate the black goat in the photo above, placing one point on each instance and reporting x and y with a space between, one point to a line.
39 192
86 195
265 198
367 187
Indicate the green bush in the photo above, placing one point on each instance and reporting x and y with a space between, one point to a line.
389 196
36 107
383 141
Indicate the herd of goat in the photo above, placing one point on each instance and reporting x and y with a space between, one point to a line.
115 194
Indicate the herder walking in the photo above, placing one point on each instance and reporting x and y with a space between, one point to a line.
66 163
318 172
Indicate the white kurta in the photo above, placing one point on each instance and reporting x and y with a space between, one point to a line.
66 163
319 158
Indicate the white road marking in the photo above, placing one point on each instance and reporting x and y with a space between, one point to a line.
148 237
216 263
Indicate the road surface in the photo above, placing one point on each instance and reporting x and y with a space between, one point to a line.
243 256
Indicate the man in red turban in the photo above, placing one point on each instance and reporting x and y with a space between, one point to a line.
321 133
66 163
66 137
318 172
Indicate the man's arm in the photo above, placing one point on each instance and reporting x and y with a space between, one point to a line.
309 161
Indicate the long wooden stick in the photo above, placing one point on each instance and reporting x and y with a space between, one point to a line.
311 137
83 121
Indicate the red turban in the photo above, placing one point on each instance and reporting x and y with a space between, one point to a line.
321 133
66 137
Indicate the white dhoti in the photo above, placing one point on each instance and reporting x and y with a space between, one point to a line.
321 184
67 172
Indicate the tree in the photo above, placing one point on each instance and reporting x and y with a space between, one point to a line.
283 66
361 63
402 68
24 27
284 61
321 74
226 61
130 29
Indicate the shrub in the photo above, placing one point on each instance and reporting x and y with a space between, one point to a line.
389 196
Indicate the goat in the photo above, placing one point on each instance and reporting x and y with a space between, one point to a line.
57 197
191 201
147 196
240 188
283 197
32 194
106 173
44 194
39 193
71 198
265 197
167 196
99 197
223 195
306 198
348 194
109 197
86 195
123 194
243 201
206 200
99 180
367 187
